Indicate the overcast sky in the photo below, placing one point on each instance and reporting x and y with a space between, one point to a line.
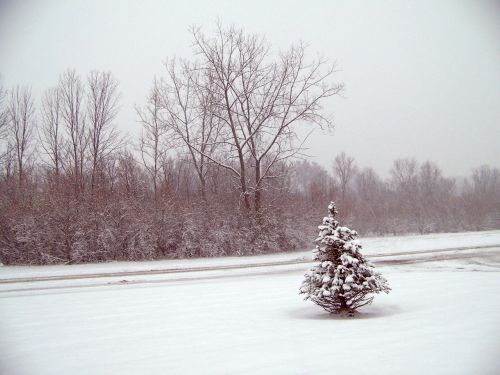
422 77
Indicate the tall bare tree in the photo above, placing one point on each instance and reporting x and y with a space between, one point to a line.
370 200
72 110
188 100
434 196
481 196
51 134
3 113
21 112
3 122
404 175
153 141
344 169
313 180
259 101
102 107
405 189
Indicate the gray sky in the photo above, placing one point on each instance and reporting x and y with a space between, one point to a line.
422 77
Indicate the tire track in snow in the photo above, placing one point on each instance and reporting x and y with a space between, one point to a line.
197 278
438 257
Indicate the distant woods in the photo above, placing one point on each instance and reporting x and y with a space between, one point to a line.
217 169
415 198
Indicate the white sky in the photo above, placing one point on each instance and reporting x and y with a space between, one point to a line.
422 77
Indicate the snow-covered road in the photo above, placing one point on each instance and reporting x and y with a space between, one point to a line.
476 256
222 317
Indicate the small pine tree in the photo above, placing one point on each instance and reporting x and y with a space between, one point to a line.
344 279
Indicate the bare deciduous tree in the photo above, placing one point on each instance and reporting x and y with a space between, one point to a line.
433 186
3 114
259 101
51 135
129 174
481 196
188 100
404 174
21 112
368 188
313 180
102 106
3 123
344 169
153 142
72 110
8 161
434 193
404 182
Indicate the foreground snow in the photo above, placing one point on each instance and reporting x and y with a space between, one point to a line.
442 317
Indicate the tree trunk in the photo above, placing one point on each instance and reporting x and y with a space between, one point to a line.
257 195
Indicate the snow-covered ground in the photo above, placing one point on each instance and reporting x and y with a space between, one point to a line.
442 316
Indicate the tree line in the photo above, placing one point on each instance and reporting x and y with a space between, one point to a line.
217 168
414 198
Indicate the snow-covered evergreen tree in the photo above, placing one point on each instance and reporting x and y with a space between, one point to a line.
343 280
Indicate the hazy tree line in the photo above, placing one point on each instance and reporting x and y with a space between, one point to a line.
415 198
216 170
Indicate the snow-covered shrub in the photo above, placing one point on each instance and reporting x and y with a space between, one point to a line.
343 280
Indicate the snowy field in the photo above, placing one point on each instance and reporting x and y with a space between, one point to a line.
218 316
